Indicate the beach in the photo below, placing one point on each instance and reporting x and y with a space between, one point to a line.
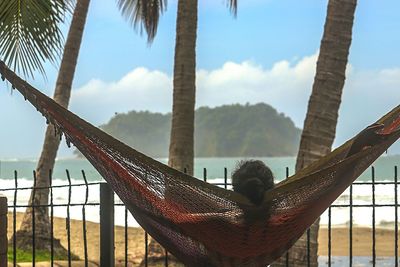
340 215
135 239
362 240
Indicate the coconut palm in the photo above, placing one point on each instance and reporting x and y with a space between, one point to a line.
145 14
51 143
322 113
27 60
181 148
30 32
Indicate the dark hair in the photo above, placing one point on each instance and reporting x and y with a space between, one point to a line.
252 178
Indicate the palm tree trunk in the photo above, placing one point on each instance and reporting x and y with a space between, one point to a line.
322 114
181 151
181 148
51 142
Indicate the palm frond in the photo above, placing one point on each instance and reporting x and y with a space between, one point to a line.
232 4
30 33
143 14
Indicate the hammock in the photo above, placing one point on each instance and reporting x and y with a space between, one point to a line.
204 225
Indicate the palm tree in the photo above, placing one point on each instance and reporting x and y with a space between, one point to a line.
52 140
146 15
13 15
322 113
181 148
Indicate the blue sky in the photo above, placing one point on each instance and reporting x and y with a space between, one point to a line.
266 54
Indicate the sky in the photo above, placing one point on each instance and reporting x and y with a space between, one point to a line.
266 54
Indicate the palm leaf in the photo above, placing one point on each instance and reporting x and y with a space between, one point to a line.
143 14
232 4
30 34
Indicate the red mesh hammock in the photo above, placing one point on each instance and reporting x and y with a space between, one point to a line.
204 225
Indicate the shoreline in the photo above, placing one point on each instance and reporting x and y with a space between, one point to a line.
340 236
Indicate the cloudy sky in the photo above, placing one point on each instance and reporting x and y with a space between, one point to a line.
266 54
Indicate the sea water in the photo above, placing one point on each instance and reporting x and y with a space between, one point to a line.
281 166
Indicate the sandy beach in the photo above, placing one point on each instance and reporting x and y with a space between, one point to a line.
362 240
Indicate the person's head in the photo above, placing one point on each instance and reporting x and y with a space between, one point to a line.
252 178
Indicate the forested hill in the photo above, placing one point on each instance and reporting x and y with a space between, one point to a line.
226 131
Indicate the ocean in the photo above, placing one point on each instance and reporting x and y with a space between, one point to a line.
362 194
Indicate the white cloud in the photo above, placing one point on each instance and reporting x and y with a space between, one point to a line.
367 96
282 86
140 89
286 86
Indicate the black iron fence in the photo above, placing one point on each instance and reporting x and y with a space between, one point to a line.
102 251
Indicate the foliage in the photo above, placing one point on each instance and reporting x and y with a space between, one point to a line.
40 255
231 130
145 131
143 14
30 33
146 14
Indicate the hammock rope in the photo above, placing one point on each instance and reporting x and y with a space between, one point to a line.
204 225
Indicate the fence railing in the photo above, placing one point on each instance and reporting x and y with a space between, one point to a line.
103 209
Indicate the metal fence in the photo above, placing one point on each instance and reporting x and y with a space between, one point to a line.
373 206
105 206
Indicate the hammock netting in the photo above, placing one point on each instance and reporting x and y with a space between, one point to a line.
202 224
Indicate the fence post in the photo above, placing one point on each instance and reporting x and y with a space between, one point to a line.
106 226
3 231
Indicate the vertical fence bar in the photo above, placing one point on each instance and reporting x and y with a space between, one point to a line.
51 220
225 178
373 219
351 227
146 241
396 227
15 220
3 231
146 249
68 220
329 237
85 251
126 237
166 259
106 226
308 247
33 221
287 253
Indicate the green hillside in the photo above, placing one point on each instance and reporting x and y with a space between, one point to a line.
226 131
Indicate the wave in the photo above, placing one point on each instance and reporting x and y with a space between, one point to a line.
4 160
362 194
